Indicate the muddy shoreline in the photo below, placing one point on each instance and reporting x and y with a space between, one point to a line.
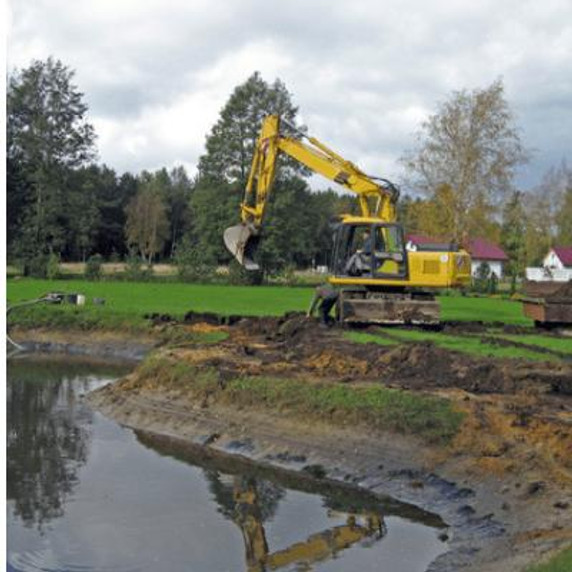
500 516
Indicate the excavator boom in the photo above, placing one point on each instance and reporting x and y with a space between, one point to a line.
376 199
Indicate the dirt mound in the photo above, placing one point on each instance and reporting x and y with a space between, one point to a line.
211 318
323 352
288 328
424 366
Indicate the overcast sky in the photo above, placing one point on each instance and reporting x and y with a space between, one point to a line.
364 74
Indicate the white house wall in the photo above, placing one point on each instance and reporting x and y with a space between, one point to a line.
542 274
552 261
496 266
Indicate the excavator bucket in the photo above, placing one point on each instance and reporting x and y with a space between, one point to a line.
242 242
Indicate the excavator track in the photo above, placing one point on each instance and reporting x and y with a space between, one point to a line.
360 306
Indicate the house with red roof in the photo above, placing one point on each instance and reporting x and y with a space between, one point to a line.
481 250
556 266
558 258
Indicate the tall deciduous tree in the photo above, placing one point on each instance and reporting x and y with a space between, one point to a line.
564 218
48 136
147 227
539 228
471 145
555 190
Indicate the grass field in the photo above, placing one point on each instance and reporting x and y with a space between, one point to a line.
432 418
171 298
470 344
483 309
132 299
562 562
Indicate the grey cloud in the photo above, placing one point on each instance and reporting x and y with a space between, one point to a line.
355 70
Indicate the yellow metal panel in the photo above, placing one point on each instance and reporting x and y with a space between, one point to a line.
448 269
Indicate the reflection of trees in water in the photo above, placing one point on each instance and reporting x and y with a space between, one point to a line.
224 490
47 439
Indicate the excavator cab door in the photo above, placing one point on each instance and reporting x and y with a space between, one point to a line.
389 258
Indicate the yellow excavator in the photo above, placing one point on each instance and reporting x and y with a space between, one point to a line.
380 280
365 527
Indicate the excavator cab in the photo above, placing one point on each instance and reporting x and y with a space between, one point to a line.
366 250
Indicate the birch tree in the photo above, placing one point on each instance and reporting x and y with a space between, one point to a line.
471 145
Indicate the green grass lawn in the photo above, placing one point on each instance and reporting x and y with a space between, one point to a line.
483 309
561 345
129 301
465 344
562 562
433 419
138 298
363 338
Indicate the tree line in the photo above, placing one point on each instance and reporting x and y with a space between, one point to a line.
63 205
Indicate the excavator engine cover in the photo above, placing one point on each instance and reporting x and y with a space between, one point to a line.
242 241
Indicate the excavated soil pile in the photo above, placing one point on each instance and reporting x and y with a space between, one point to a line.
298 345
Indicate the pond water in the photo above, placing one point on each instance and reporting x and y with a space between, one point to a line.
85 494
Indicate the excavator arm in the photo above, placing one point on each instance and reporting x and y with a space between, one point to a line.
376 197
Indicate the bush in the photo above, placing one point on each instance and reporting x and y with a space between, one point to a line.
239 276
192 265
52 266
288 275
134 270
493 284
481 280
93 267
42 266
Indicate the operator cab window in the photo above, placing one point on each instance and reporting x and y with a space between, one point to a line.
388 258
371 251
354 249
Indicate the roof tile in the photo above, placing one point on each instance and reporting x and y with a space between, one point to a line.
565 254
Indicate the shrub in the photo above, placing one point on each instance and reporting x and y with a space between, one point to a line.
191 263
42 266
239 276
52 266
134 270
481 280
93 267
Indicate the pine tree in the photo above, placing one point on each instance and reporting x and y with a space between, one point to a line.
513 235
48 136
224 168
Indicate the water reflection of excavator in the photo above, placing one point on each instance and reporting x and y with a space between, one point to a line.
383 283
317 547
